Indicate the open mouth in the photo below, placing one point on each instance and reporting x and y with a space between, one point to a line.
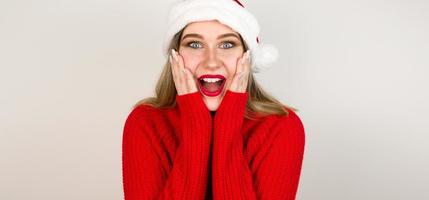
211 85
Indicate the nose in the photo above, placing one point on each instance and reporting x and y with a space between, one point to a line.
211 59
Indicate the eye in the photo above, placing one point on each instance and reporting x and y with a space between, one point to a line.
194 44
227 45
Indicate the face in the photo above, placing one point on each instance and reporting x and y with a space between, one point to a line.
211 50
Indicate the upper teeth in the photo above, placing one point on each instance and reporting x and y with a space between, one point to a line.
211 80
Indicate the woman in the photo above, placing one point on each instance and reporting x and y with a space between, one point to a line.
211 132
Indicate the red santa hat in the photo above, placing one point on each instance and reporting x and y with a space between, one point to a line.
229 12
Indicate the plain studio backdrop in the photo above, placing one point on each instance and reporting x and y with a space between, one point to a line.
356 70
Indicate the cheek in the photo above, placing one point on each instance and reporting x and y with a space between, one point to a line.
190 59
230 61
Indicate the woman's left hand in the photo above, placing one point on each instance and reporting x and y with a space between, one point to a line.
241 77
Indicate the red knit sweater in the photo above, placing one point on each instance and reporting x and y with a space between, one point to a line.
174 153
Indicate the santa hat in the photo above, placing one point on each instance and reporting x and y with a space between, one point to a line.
229 12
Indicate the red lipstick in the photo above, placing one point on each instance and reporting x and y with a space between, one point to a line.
211 84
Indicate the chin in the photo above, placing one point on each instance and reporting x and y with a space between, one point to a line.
212 106
212 103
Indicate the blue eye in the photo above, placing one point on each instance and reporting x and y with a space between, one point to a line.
227 45
195 45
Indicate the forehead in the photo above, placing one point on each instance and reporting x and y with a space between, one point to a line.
208 28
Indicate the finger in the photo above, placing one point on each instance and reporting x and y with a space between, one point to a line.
181 65
234 84
242 74
240 65
176 73
188 78
236 78
173 70
245 61
191 83
173 62
181 71
246 67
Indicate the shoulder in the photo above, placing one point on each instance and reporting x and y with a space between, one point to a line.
289 127
292 120
142 112
289 124
144 115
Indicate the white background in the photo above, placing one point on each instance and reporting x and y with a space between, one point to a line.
357 71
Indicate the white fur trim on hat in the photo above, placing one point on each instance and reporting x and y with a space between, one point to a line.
227 12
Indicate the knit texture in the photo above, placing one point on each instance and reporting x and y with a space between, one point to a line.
185 153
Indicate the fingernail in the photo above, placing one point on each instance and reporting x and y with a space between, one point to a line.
174 53
243 59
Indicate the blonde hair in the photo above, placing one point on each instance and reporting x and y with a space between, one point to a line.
259 103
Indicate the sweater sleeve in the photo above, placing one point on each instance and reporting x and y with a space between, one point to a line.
143 175
278 174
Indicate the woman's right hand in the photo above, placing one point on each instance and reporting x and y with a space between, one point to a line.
183 78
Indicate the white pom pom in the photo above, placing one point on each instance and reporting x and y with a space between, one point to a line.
264 56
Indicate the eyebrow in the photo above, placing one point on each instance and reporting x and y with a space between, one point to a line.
220 37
